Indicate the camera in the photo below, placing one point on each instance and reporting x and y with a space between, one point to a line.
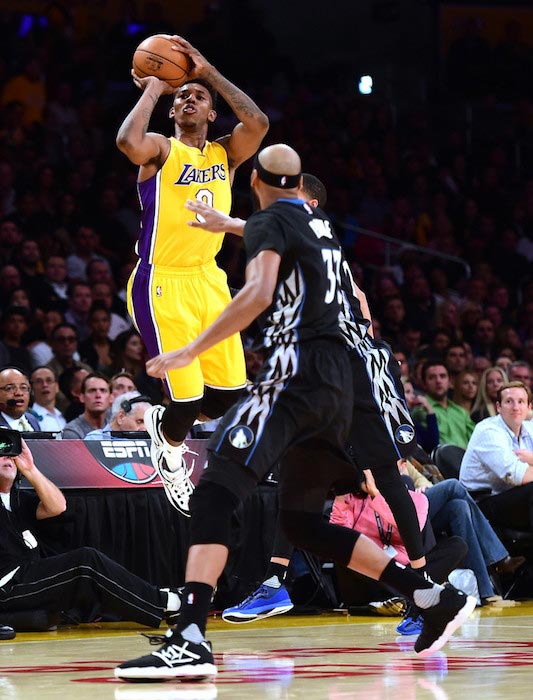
10 442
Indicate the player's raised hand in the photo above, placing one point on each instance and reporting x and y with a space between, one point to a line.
159 365
201 65
143 83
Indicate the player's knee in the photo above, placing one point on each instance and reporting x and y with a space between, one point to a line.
179 417
211 507
216 402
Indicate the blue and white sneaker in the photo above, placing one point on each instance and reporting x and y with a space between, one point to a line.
264 602
411 624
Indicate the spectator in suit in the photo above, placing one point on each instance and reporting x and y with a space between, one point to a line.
15 399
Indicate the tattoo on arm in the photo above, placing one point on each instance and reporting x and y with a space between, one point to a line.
237 99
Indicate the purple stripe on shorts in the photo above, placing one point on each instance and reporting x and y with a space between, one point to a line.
147 195
140 297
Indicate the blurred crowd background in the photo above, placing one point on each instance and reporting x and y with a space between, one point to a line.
429 175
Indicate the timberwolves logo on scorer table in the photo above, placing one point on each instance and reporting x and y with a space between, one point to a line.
128 460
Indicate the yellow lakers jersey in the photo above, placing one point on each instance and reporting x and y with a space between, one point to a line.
188 173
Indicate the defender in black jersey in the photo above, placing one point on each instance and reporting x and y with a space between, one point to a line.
298 408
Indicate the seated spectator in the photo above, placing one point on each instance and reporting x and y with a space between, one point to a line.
427 431
454 511
86 243
102 292
45 387
127 414
455 424
404 364
99 272
520 371
39 347
392 319
64 343
455 359
96 349
465 389
15 400
503 361
480 363
70 382
499 460
484 406
95 399
129 355
120 383
80 300
14 327
368 512
84 579
10 279
52 290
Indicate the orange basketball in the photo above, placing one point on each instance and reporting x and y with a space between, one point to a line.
155 56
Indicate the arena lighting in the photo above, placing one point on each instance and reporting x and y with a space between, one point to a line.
365 84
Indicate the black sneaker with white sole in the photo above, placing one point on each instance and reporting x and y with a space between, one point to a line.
177 659
441 620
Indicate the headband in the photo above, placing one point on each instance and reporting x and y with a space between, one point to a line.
284 182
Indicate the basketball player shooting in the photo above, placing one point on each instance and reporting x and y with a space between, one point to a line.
176 289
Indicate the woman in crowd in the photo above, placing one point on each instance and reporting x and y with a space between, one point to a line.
129 355
485 404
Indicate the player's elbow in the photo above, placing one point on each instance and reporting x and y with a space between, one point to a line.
131 148
263 123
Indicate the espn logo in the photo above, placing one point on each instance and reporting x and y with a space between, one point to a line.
125 449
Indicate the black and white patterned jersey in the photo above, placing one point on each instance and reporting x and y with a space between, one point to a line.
311 299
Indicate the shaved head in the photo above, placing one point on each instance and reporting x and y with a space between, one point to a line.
280 159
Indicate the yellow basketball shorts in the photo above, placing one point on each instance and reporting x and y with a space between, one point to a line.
171 307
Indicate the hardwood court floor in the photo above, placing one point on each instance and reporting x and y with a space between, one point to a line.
330 656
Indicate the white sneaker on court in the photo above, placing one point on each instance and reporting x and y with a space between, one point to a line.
169 462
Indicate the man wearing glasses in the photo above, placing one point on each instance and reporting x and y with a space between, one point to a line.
14 401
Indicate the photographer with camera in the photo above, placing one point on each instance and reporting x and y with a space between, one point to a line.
83 579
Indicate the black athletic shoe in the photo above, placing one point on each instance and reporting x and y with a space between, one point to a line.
441 620
177 659
7 632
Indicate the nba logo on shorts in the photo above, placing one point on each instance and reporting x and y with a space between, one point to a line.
241 437
405 434
158 291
